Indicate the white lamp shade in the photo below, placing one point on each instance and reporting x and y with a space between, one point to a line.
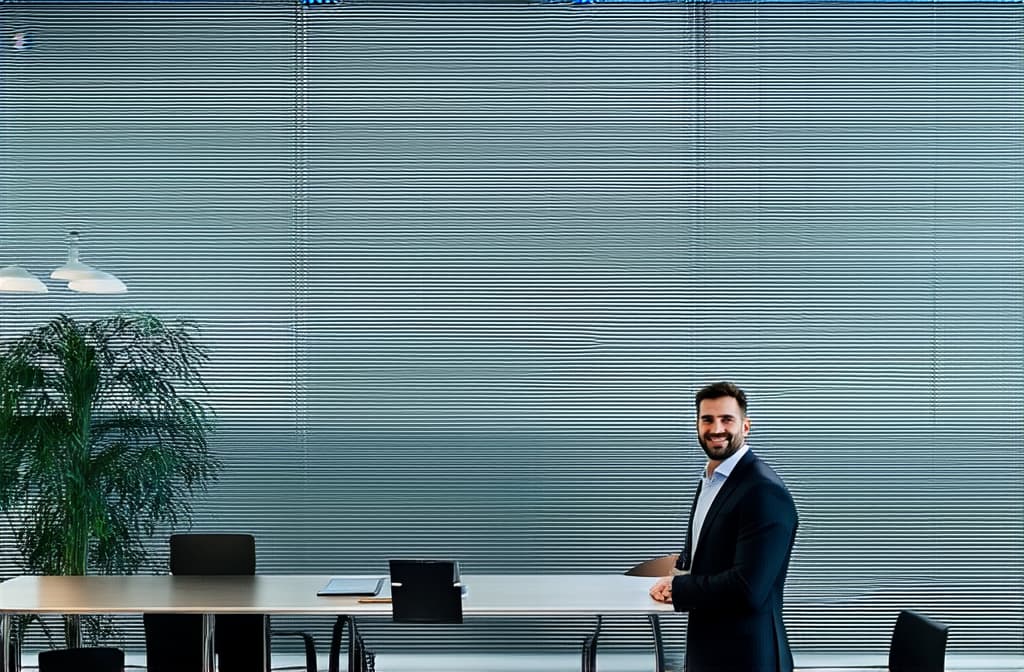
97 282
73 270
15 279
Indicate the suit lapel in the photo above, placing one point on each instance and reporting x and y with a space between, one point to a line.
729 489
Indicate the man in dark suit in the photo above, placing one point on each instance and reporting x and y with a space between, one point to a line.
731 572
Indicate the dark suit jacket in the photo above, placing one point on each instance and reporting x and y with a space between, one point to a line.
733 592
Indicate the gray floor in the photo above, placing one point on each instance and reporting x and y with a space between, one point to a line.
620 662
608 662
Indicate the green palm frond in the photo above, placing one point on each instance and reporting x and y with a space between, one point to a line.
103 438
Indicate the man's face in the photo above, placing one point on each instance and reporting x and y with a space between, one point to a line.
721 427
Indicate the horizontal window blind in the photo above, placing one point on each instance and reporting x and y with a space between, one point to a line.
857 256
165 134
462 267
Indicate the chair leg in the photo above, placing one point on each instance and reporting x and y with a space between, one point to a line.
359 659
308 645
659 649
355 663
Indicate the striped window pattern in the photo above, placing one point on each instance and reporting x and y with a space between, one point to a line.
461 268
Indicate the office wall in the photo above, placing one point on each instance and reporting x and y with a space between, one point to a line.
461 269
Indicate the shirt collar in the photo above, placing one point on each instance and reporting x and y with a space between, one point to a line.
726 467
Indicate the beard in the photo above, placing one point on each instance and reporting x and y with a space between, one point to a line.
733 442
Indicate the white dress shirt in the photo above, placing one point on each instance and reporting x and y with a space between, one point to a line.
709 487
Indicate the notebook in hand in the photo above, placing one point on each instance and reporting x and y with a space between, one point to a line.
352 585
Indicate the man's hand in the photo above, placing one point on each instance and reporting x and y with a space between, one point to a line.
662 590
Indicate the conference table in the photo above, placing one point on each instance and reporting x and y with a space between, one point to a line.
507 595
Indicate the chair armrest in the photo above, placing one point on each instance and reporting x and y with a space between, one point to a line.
308 643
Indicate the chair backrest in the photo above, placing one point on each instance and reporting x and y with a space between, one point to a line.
173 640
918 644
425 591
660 566
213 554
92 659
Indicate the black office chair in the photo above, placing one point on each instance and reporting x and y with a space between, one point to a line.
422 591
918 644
92 659
425 591
173 640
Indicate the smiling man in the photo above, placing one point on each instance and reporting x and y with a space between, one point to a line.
732 570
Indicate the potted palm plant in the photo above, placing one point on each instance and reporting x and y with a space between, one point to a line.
103 439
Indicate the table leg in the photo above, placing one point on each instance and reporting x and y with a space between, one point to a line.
208 634
659 649
266 643
5 640
73 626
589 652
337 634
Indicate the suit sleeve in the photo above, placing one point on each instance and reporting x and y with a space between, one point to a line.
766 524
683 562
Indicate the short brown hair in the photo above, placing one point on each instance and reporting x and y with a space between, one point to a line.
723 389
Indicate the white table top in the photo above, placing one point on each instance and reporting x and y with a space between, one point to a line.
487 595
